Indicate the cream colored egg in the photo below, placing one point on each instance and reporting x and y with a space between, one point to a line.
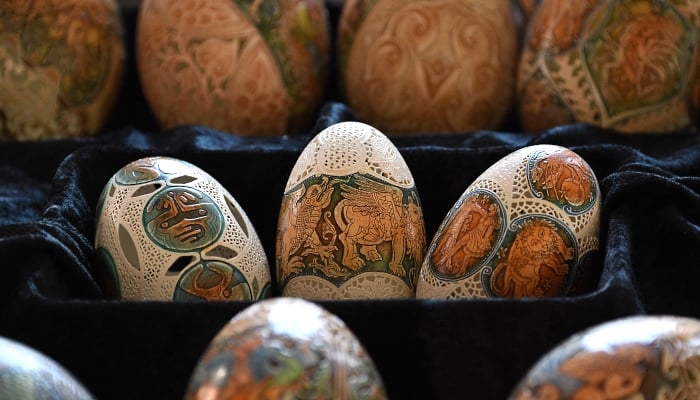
167 230
627 65
640 357
409 67
351 223
285 348
244 67
526 227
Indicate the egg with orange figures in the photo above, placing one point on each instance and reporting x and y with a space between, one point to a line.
285 348
527 227
627 65
61 66
640 357
408 67
243 67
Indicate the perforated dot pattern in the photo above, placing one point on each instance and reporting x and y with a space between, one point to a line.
347 148
151 279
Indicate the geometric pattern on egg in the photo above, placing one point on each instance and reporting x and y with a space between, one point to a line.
167 230
285 348
522 229
639 357
351 223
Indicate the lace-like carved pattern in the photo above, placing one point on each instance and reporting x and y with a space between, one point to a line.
148 270
550 219
347 148
326 355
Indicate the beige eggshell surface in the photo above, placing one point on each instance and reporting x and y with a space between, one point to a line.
167 230
243 67
626 65
410 67
61 66
351 223
285 348
527 227
640 357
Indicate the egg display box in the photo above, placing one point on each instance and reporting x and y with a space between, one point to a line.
423 349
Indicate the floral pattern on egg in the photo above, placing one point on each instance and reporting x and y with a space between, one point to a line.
245 67
285 348
625 65
645 357
351 223
525 228
428 66
167 230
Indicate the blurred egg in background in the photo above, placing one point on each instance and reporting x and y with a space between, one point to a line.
61 66
628 65
410 67
245 67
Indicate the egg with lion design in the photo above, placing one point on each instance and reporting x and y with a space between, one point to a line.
61 66
526 227
410 67
627 65
640 357
244 67
351 221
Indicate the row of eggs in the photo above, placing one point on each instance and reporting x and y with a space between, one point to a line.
290 348
351 227
262 67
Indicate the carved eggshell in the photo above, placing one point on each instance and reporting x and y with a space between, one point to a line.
527 227
285 348
409 67
641 357
62 63
351 223
624 65
244 67
167 230
25 373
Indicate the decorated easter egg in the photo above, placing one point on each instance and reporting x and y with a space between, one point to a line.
27 374
167 230
641 357
628 65
351 223
408 67
244 67
527 227
61 67
285 348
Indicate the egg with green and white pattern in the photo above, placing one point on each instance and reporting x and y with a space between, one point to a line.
167 230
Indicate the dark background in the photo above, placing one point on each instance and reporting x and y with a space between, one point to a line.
424 349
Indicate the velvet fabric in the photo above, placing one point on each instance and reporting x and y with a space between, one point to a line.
423 349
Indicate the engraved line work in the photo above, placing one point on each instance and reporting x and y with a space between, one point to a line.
468 237
562 177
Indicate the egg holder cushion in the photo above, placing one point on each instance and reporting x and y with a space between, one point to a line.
437 349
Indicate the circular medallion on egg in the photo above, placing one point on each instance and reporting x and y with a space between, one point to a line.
167 230
351 223
523 228
640 357
409 67
243 67
625 65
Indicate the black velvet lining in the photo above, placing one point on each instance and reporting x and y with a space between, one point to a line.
424 349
